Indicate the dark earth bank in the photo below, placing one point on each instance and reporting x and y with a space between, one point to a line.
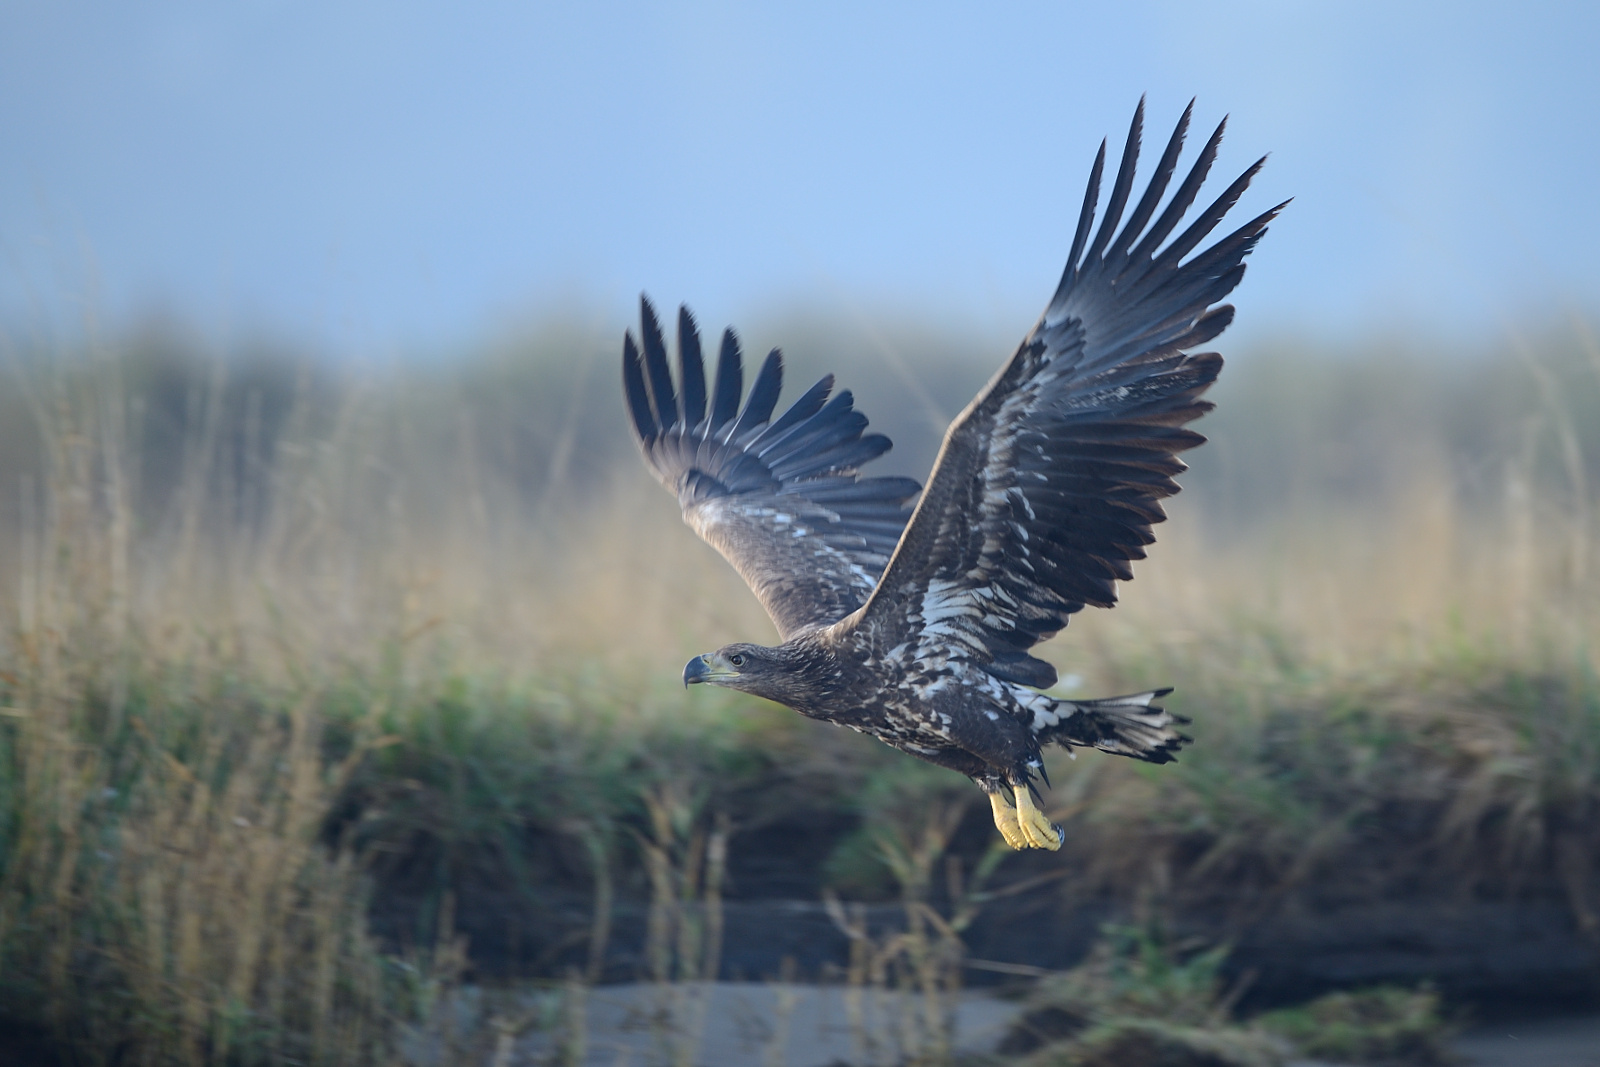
1506 955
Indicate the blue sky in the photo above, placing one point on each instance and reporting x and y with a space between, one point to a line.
402 175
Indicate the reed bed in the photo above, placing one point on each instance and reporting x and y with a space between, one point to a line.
276 636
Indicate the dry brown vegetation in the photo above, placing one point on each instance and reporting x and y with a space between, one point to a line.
271 634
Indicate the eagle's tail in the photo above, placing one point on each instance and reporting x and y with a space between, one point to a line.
1129 725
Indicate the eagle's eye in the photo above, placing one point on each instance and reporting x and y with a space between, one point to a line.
737 659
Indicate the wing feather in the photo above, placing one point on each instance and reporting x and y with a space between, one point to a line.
797 421
781 499
763 398
1122 186
1091 196
633 387
1183 199
1158 184
662 398
691 369
730 383
1048 484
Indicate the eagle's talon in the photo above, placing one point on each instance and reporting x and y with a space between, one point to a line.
1039 831
1005 820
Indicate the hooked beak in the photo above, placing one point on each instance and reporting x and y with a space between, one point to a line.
710 668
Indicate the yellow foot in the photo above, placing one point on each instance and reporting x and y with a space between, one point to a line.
1005 820
1038 831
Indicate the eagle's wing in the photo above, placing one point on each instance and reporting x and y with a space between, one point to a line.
1048 483
779 498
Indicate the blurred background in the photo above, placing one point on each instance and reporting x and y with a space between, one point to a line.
340 627
368 178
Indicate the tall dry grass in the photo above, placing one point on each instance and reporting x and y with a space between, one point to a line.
1362 501
167 891
260 618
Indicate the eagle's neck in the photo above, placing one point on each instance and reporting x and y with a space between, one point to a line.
813 677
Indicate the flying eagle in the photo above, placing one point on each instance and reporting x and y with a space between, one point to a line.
914 624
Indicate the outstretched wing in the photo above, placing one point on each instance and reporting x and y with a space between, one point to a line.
779 498
1048 483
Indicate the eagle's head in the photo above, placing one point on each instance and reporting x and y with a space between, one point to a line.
785 674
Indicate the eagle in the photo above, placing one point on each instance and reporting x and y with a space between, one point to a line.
914 624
